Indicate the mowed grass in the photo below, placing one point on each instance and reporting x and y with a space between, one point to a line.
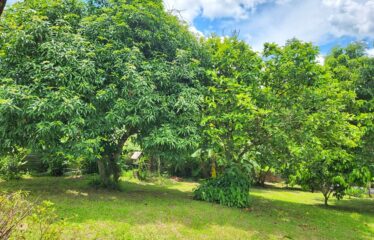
167 211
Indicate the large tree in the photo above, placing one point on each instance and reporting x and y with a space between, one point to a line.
79 79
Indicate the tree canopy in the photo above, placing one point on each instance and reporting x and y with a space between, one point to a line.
79 79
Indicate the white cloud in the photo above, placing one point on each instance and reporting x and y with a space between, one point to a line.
321 59
300 19
212 9
370 52
279 20
354 17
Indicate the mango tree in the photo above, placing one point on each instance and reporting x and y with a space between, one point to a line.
79 78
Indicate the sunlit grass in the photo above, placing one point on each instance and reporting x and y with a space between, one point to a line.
164 209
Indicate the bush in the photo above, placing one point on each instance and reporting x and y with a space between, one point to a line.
46 222
22 219
57 164
13 210
356 192
11 166
230 189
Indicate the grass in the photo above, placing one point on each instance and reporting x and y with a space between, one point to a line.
167 211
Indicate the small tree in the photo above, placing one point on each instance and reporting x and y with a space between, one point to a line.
232 118
355 70
314 109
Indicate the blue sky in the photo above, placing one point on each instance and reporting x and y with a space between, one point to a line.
326 23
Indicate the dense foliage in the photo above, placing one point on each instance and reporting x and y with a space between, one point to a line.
78 80
321 132
82 81
229 189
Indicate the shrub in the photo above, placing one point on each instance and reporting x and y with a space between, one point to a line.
230 189
45 221
356 192
57 164
13 210
22 219
11 165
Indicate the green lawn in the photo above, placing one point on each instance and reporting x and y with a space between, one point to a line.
167 211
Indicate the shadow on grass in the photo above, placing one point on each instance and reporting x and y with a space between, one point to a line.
364 206
352 205
141 204
273 186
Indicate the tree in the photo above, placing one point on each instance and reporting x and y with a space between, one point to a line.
353 68
231 117
80 79
313 105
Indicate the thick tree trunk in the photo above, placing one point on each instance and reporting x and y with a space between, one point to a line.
109 169
2 6
115 169
103 171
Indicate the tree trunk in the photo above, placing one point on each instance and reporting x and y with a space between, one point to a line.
103 171
2 6
159 166
213 170
108 164
115 169
326 194
262 177
326 200
152 167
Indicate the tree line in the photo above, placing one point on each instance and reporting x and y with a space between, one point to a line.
80 79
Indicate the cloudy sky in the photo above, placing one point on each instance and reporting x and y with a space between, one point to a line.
323 22
326 23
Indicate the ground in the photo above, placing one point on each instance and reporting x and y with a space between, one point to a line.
166 211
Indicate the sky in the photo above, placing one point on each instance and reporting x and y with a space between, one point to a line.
326 23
